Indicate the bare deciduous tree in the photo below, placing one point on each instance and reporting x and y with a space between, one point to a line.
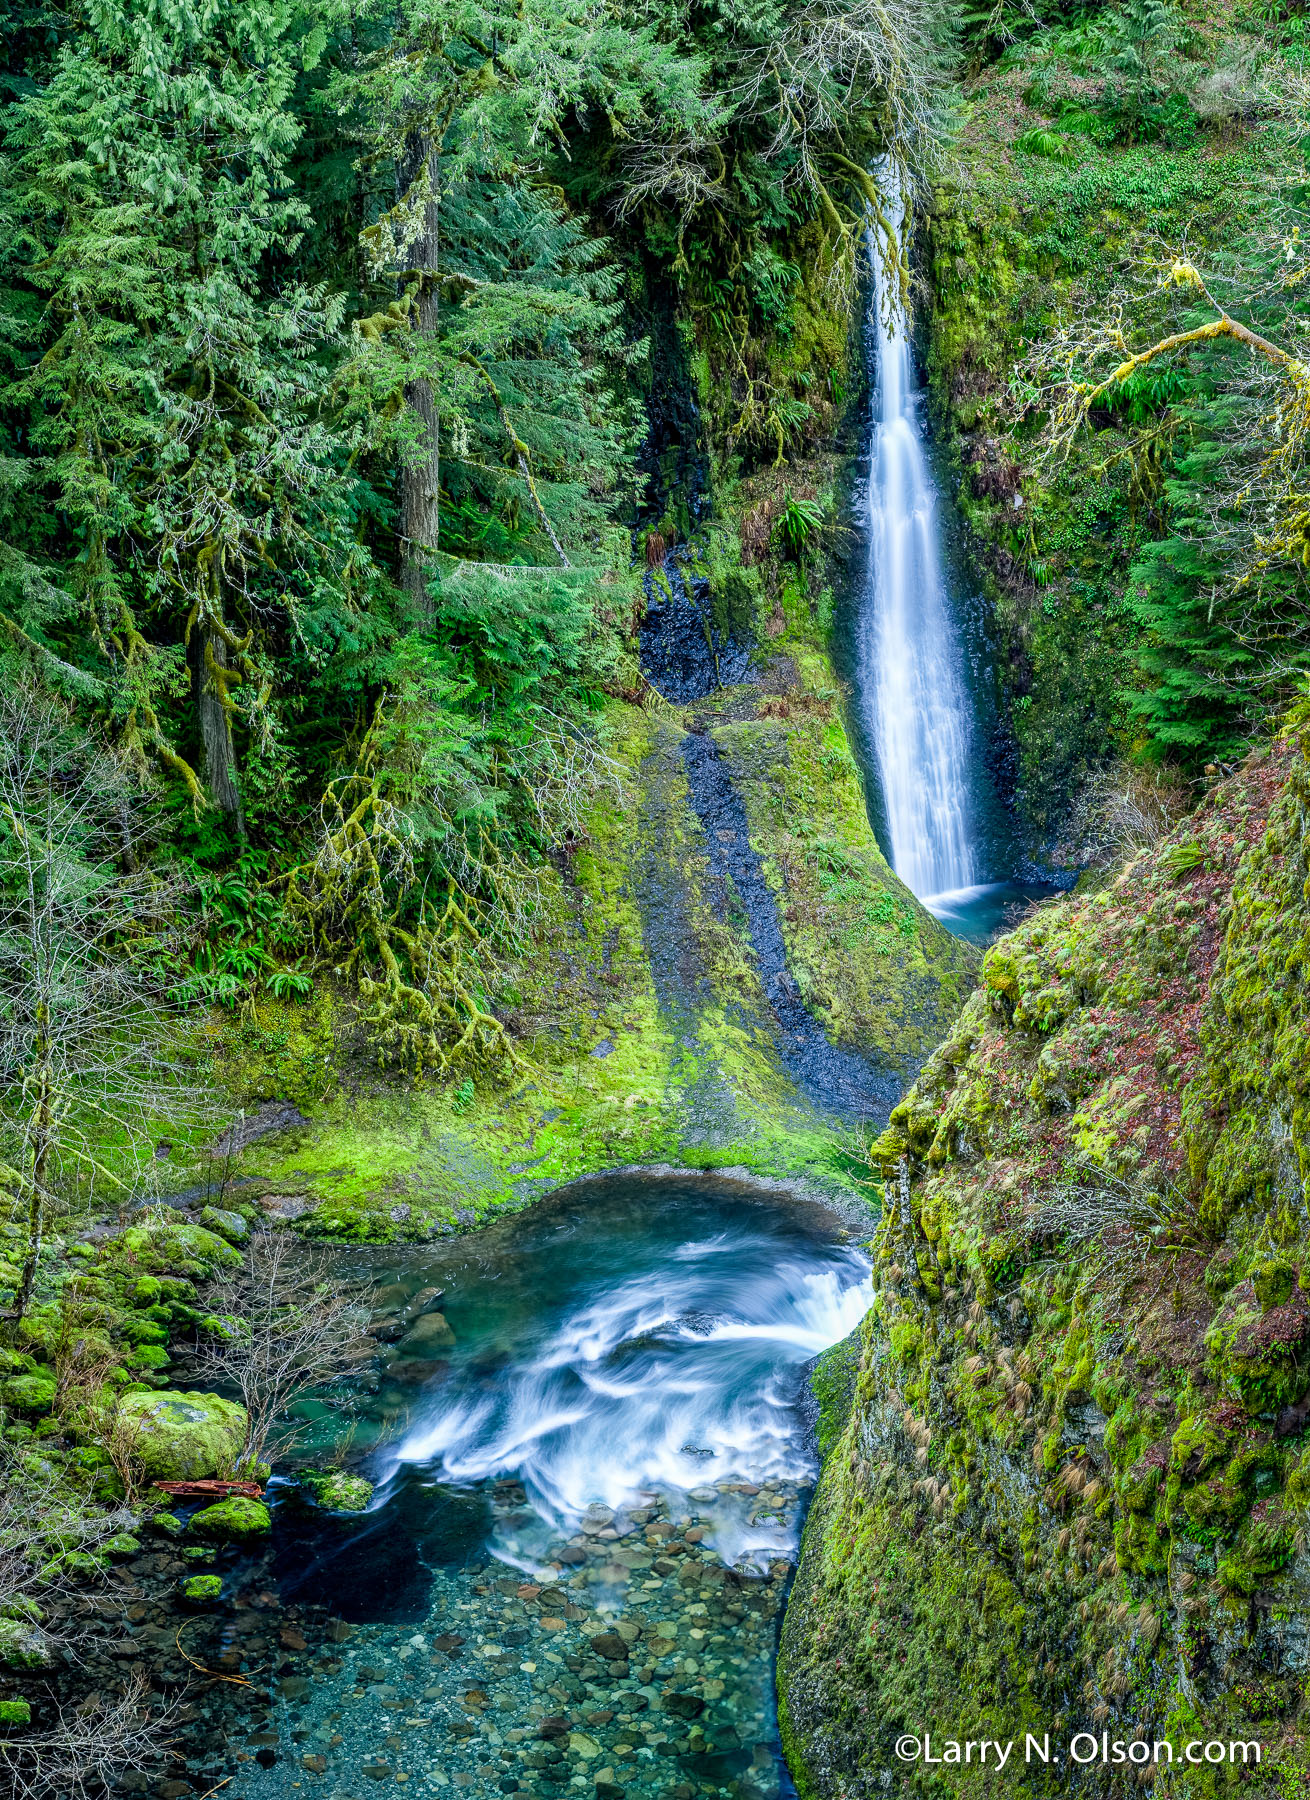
83 1021
85 1752
289 1326
74 1752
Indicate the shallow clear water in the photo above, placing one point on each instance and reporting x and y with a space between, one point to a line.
587 1511
981 911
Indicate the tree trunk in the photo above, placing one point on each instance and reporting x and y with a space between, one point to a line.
220 763
42 1135
420 498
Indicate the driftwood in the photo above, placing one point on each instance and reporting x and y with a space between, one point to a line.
210 1490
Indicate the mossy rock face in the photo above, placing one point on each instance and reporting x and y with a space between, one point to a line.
24 1646
32 1394
233 1520
186 1437
336 1491
122 1544
1261 1353
201 1590
1076 1462
1273 1282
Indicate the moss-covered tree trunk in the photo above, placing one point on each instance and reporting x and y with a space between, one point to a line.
420 498
216 727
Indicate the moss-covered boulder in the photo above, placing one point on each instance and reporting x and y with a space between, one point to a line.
15 1712
201 1590
233 1520
228 1225
172 1245
336 1491
33 1394
185 1437
23 1645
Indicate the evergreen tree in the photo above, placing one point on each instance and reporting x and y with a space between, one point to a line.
207 507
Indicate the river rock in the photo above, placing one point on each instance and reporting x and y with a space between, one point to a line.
173 1246
426 1300
201 1590
24 1645
184 1437
428 1333
233 1520
393 1298
228 1225
336 1491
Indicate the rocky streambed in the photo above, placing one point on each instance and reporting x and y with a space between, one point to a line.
590 1476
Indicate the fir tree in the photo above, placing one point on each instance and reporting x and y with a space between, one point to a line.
207 508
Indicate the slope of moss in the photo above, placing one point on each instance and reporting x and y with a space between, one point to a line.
1073 1491
643 1027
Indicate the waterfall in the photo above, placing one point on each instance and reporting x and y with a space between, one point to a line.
909 646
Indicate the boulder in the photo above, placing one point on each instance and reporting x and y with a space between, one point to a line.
428 1333
201 1590
336 1491
228 1225
185 1437
233 1521
176 1246
24 1645
29 1393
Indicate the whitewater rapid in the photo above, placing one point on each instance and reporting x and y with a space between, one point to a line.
681 1376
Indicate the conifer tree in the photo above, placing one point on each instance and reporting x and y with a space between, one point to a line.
206 501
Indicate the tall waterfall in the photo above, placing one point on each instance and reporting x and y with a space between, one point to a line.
909 645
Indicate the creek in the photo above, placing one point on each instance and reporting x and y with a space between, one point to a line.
588 1505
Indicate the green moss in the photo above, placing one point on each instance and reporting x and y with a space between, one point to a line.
24 1646
225 1224
336 1491
185 1437
1061 1477
15 1712
201 1590
168 1244
232 1520
832 1381
30 1394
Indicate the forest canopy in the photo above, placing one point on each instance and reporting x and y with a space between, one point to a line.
326 331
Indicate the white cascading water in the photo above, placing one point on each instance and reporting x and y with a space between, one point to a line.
635 1392
909 644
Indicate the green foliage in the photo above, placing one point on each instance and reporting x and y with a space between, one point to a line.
796 525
